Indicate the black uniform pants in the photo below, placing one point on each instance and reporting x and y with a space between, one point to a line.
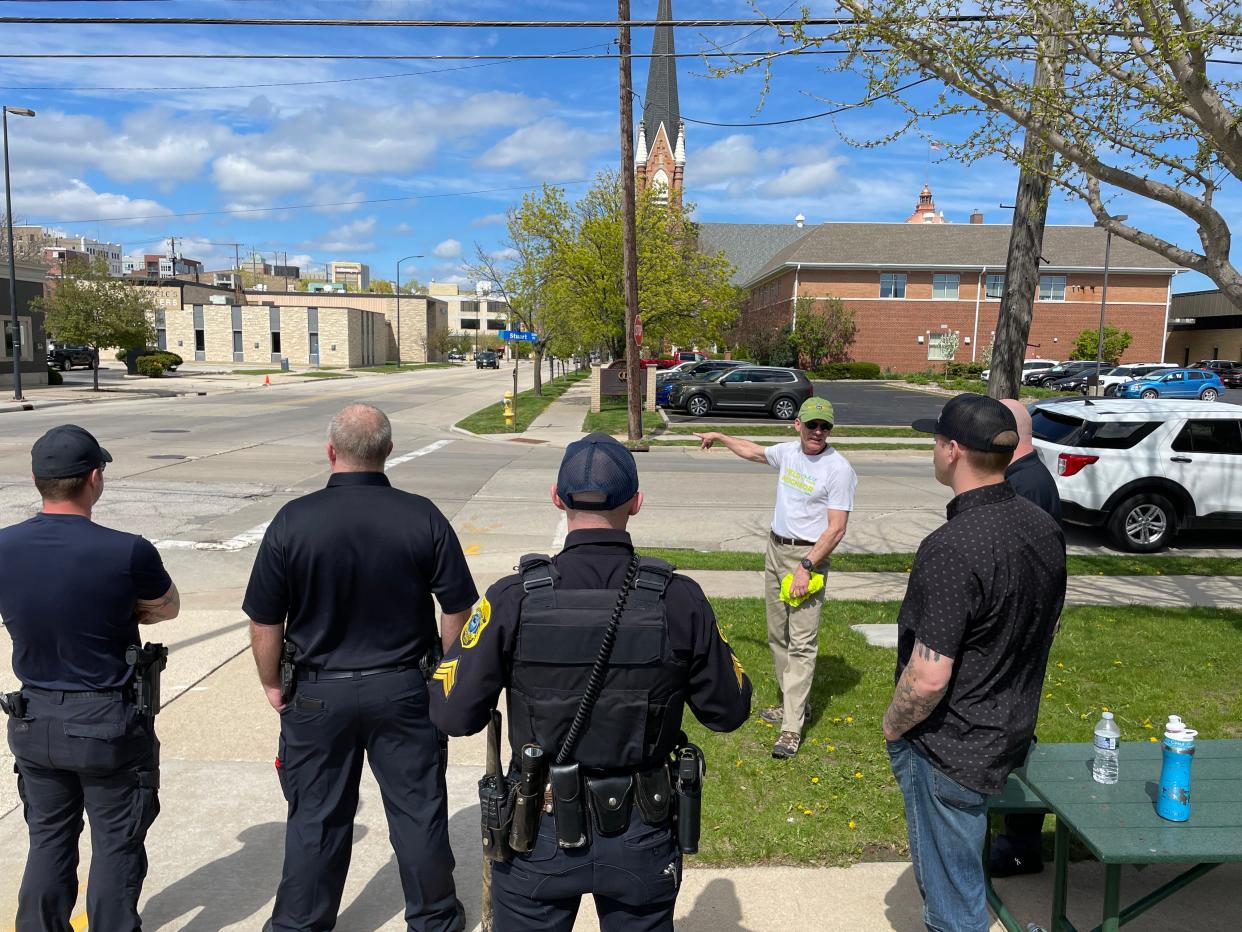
76 752
633 876
325 731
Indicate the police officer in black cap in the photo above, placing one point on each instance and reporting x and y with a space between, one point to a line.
600 652
342 589
75 593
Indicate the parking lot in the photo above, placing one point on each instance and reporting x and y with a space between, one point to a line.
869 403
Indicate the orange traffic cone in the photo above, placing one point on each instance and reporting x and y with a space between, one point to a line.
267 380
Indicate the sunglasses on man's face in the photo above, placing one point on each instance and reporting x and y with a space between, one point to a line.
817 426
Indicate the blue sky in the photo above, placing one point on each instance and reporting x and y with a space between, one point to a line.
396 153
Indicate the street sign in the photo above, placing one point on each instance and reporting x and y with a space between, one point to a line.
518 336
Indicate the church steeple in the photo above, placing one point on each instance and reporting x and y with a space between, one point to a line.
662 129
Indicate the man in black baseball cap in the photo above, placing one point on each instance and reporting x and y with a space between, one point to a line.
974 632
75 596
538 635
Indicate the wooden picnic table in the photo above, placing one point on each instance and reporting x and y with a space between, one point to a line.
1118 823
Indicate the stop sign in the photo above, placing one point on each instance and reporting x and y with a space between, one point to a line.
638 330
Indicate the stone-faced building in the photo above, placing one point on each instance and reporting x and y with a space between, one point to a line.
1203 325
909 285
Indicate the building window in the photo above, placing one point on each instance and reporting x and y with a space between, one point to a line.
892 284
275 341
470 307
237 342
314 347
200 343
1052 287
469 325
995 287
495 323
939 345
27 350
945 286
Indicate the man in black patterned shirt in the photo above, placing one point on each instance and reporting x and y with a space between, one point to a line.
974 632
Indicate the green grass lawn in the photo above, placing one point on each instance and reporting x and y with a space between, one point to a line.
257 371
837 802
321 374
1085 565
490 420
787 431
978 386
613 418
393 369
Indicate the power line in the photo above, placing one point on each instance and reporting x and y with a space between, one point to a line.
260 210
817 116
445 23
314 56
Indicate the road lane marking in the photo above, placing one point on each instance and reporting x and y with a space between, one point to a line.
406 457
240 542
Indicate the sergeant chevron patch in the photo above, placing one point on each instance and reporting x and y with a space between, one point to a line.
446 673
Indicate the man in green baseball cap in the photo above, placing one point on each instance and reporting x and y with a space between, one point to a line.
814 498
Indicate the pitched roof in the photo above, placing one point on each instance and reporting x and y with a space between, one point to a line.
661 92
748 246
952 246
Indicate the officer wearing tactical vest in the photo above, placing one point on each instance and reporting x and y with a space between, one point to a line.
605 803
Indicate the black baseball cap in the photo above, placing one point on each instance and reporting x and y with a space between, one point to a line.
976 422
66 451
597 474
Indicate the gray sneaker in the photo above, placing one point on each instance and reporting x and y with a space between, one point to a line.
787 745
772 714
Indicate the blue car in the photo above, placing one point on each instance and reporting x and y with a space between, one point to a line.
1175 383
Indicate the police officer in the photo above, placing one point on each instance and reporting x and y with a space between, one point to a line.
343 581
75 593
606 826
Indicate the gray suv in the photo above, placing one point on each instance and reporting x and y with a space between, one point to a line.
744 389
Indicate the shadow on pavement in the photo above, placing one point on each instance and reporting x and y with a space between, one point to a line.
903 904
716 908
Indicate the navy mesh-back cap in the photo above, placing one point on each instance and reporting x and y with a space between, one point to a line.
976 422
597 474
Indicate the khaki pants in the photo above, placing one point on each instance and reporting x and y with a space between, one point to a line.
793 633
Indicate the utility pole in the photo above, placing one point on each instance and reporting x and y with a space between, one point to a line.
1026 236
629 262
172 255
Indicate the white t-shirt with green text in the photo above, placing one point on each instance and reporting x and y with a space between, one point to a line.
809 486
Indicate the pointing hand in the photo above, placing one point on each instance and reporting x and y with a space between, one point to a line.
707 440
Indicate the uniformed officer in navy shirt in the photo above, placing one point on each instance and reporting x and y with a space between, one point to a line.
74 595
538 635
346 576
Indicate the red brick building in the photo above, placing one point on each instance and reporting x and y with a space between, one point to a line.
910 284
660 153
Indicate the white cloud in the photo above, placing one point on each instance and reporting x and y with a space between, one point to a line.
237 174
448 249
489 220
805 179
354 236
79 201
527 149
733 158
505 254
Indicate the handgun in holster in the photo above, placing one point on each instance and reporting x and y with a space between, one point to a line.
13 704
495 807
288 672
148 662
690 769
528 800
428 662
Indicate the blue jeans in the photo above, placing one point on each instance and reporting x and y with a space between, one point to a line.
946 823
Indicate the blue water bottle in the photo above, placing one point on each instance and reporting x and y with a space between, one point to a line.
1173 803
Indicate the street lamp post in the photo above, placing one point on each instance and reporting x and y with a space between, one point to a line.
8 204
399 261
1099 348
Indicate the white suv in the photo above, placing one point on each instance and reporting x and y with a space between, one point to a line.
1028 365
1128 372
1143 469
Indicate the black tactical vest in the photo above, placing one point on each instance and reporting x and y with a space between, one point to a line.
637 721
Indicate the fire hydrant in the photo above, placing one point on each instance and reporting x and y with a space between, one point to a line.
509 418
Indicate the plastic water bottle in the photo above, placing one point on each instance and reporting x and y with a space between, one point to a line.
1107 735
1173 803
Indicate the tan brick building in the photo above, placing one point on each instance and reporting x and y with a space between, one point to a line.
1203 325
910 284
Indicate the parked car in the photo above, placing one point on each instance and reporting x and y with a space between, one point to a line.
1077 382
689 356
1119 375
1028 365
65 357
1175 383
486 360
768 389
1143 470
1062 370
456 356
1232 378
1219 366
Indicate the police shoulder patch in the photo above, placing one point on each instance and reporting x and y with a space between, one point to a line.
473 630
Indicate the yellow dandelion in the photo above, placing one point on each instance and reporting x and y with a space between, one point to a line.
831 748
737 763
1047 695
857 774
814 779
1152 738
849 719
806 812
1104 708
1060 665
853 824
1083 716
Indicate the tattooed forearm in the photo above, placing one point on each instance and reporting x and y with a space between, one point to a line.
923 684
149 611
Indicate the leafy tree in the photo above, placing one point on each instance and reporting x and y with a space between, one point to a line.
1116 342
825 331
381 286
1143 106
90 308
